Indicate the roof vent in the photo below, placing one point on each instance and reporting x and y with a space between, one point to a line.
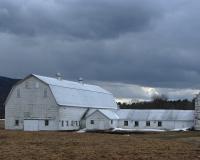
59 76
80 80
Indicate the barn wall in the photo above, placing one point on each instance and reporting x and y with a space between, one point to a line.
52 125
70 117
184 124
31 104
166 125
101 122
197 113
197 124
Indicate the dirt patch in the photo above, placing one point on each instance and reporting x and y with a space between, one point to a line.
95 146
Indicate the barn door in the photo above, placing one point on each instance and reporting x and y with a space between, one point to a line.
31 125
101 125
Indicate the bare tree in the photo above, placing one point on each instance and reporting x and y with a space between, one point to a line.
160 98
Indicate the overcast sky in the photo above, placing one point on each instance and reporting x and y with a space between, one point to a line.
134 48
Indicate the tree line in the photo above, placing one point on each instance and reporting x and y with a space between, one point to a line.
160 102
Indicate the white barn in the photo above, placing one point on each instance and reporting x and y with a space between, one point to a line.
42 103
39 103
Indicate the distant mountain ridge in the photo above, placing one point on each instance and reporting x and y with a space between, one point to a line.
5 87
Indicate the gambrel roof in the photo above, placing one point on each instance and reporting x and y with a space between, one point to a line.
75 94
150 115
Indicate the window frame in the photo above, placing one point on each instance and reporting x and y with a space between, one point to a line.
148 123
37 85
62 123
18 93
67 123
72 123
27 84
46 122
125 123
136 123
45 93
16 122
91 121
159 123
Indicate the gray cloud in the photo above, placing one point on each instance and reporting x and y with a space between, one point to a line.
76 19
142 42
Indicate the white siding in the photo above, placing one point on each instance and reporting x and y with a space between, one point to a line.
31 104
166 125
197 113
39 125
101 122
72 116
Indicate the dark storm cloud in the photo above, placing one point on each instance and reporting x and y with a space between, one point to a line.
148 43
87 19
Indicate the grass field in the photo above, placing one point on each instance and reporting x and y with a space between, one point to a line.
71 145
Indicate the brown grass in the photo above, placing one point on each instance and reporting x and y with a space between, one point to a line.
1 124
94 146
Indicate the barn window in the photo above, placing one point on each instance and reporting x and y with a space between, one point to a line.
136 123
18 93
148 123
125 123
72 123
92 122
76 123
46 122
62 123
67 123
159 124
26 84
36 85
16 122
111 121
45 92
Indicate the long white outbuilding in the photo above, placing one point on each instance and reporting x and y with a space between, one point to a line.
39 103
140 119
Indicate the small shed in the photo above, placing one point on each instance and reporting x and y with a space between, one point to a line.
102 119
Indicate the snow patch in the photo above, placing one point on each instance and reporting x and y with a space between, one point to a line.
138 130
82 130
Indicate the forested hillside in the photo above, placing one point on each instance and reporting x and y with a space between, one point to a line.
5 87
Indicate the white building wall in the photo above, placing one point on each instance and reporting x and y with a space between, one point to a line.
101 122
197 113
166 125
70 117
52 125
184 124
31 104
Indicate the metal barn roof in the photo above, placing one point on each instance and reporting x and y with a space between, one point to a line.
149 115
68 93
108 113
